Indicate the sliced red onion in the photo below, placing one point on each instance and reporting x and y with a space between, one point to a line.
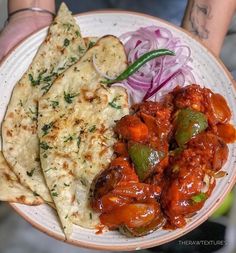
161 73
157 88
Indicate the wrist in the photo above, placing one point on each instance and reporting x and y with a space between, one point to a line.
38 9
14 5
42 19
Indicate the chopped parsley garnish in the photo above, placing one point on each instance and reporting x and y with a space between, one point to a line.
47 78
45 156
35 82
78 34
30 173
81 50
69 138
53 191
54 104
199 198
78 141
69 97
36 194
54 168
67 185
113 103
68 26
44 145
73 59
83 181
33 114
21 103
46 87
90 215
92 128
54 194
46 128
66 42
76 69
91 44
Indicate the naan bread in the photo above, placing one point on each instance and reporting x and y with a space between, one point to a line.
10 188
77 134
62 47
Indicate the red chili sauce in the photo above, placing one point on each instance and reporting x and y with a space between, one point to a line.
167 157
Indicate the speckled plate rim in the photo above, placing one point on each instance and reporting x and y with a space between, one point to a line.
168 237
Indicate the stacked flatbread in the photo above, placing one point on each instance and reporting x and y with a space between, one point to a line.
58 129
61 48
11 189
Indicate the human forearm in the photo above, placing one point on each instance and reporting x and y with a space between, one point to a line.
209 21
24 23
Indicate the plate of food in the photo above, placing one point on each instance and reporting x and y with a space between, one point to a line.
117 130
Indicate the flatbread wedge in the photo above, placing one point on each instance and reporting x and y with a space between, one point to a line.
12 190
77 135
62 47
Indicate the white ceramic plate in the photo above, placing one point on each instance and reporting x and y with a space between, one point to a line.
207 70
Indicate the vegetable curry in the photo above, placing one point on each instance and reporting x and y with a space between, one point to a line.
168 157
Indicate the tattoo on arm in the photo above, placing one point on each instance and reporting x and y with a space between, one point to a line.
198 18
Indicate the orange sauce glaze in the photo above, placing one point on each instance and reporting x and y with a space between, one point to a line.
181 182
100 228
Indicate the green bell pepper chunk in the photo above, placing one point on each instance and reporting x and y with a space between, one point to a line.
189 123
144 159
199 198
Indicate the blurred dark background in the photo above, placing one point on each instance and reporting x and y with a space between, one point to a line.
218 234
171 10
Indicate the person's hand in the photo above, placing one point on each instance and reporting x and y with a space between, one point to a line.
19 27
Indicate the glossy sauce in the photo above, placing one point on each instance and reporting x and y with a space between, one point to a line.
220 108
100 228
179 178
227 132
